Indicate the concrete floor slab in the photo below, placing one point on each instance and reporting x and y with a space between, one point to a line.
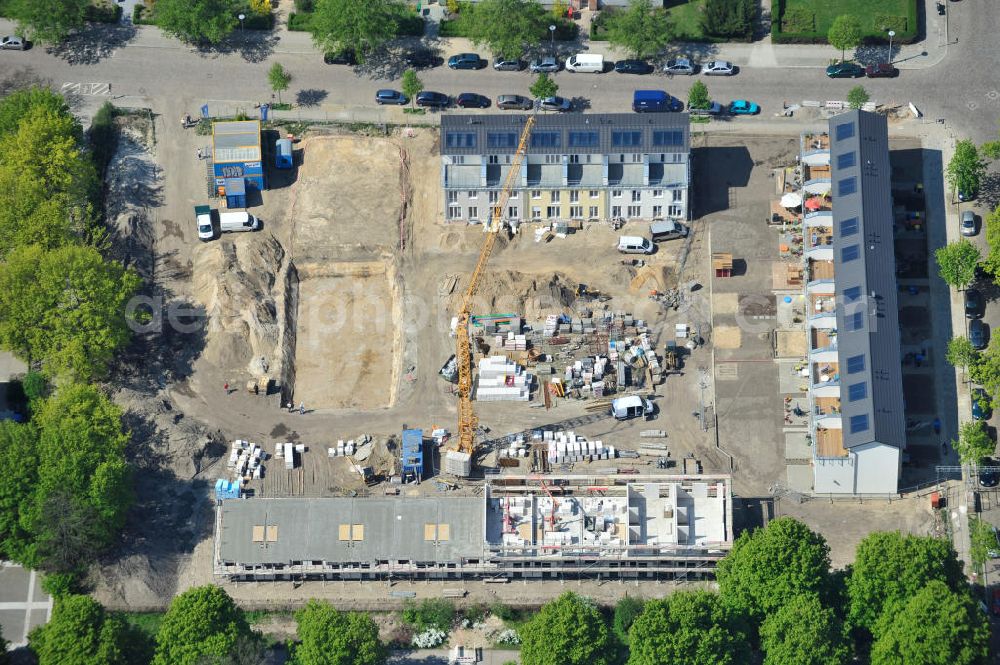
728 337
791 307
799 477
791 344
790 381
14 582
797 445
725 303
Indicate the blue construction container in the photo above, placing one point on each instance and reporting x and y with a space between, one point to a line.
236 193
227 489
413 455
283 154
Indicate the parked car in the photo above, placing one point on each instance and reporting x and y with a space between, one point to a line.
548 64
977 334
465 61
845 70
966 196
714 108
667 229
390 97
882 70
969 223
719 68
345 57
987 476
743 107
633 67
422 59
472 100
555 104
681 66
995 607
514 103
13 43
981 409
973 304
433 99
503 65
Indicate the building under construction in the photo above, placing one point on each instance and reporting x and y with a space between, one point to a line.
646 527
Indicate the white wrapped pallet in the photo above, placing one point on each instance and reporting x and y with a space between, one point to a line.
289 456
279 450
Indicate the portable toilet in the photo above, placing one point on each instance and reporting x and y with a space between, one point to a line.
236 192
283 154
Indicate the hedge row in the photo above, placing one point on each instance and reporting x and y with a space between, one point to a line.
410 25
799 20
565 30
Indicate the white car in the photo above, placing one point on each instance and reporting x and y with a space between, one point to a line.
12 43
719 68
679 66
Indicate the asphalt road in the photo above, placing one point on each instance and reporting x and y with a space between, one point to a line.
141 67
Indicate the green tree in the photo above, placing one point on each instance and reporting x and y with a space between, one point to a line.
567 631
641 29
939 625
436 613
506 27
974 442
330 637
201 622
48 21
857 97
80 633
983 540
805 633
889 569
626 611
991 226
767 568
698 96
985 368
19 470
20 103
729 18
844 33
544 86
65 308
690 627
357 25
279 79
198 21
412 85
966 169
957 263
961 353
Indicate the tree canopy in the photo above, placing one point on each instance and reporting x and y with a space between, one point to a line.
19 470
844 33
567 631
357 25
889 569
974 442
412 85
772 565
804 632
80 633
626 611
641 29
330 637
544 86
691 627
49 21
966 168
961 353
938 625
198 21
201 622
957 263
857 97
991 227
278 78
506 27
698 96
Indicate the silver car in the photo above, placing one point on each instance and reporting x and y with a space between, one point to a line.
560 104
12 43
514 102
681 66
549 65
969 223
718 68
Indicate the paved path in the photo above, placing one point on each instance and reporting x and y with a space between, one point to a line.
23 604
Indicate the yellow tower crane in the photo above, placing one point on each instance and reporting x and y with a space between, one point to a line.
467 420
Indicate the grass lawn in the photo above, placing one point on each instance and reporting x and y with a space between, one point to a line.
686 17
825 11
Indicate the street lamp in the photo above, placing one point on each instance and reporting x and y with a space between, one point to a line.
241 17
552 38
892 33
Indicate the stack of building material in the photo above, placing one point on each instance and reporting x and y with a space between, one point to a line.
551 326
289 456
502 380
458 464
245 460
342 450
511 342
227 489
567 447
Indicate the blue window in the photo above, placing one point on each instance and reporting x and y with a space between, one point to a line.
668 137
855 364
844 131
626 139
460 140
583 139
847 186
856 321
545 140
848 227
850 253
846 160
501 140
859 423
857 391
852 294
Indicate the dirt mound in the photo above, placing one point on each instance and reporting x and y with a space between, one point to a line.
510 291
237 283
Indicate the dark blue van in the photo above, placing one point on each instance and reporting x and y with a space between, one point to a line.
647 101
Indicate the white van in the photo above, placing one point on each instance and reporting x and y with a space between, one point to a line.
635 245
632 406
586 63
238 221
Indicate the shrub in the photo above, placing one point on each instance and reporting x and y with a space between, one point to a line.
430 613
502 611
798 19
103 13
410 25
729 18
428 639
304 5
102 137
299 22
882 23
142 16
598 26
508 638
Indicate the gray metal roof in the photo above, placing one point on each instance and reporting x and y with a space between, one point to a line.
463 134
873 274
236 141
391 529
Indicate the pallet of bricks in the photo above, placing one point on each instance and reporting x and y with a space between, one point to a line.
567 447
245 460
500 379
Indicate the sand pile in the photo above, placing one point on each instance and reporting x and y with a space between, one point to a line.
509 291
